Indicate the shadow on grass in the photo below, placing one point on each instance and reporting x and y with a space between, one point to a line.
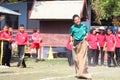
6 72
14 59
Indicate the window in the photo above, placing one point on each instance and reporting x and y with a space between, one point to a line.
12 21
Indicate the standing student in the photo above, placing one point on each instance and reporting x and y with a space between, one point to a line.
101 41
118 47
69 52
22 41
97 54
0 47
93 45
36 38
5 41
0 32
10 30
110 44
79 32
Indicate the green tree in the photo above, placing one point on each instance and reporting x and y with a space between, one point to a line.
105 9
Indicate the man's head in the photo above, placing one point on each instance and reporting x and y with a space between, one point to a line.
76 19
10 29
93 31
21 28
5 28
109 31
34 30
102 30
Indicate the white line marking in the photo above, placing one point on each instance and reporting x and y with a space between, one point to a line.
8 74
50 78
19 73
69 76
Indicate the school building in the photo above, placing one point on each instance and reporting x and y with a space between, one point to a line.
52 18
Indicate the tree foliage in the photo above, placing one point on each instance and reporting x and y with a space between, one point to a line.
105 9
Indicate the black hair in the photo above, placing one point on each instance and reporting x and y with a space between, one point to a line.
4 26
110 30
74 16
103 32
91 31
21 25
34 30
9 27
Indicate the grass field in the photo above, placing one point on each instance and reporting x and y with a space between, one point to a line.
54 70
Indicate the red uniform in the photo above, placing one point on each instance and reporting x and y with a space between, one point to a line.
101 39
36 40
10 36
5 35
0 34
6 54
68 46
92 41
110 41
118 40
21 38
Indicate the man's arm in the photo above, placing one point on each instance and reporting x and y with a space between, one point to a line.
16 39
86 36
114 43
4 39
87 31
104 48
27 40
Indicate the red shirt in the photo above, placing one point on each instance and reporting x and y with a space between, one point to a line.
36 37
21 38
101 39
0 34
92 41
118 40
10 36
5 35
110 40
68 46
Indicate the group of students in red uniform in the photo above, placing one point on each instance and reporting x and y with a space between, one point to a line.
101 42
21 40
5 42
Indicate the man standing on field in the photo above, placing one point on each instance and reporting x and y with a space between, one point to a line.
79 32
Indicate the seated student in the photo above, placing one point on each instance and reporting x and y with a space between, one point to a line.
92 45
110 44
